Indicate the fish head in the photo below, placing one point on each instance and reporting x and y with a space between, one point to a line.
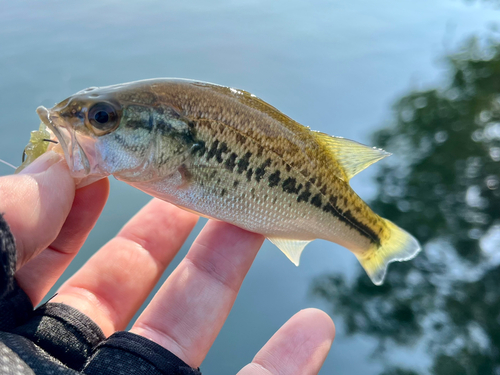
119 130
79 122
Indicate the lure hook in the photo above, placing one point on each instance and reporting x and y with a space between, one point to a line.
50 140
45 140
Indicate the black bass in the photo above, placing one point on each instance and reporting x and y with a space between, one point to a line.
228 155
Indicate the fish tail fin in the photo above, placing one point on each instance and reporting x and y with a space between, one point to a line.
398 246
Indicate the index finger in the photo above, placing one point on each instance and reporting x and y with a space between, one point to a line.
41 273
187 313
36 203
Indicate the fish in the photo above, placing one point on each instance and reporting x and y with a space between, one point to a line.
225 154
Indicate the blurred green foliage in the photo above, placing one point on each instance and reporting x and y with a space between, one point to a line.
443 186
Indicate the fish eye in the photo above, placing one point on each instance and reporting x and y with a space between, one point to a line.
103 117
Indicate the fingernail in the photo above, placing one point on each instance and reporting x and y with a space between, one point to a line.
42 163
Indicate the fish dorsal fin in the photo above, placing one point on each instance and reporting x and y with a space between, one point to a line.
352 156
291 248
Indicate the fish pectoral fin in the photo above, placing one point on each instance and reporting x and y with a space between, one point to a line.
291 248
352 156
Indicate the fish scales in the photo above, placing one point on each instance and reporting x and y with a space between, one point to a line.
269 189
228 155
262 127
227 120
221 128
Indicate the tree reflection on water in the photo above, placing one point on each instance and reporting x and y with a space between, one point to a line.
443 187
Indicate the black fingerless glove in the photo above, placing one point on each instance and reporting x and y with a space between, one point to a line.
58 339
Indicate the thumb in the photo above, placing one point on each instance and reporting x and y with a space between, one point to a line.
36 202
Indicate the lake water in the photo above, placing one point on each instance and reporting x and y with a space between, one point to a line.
335 66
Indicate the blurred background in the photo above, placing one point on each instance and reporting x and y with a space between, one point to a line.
418 78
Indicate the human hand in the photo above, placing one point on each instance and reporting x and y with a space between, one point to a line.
50 222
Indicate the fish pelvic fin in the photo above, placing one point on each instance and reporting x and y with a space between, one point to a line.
352 156
291 248
399 246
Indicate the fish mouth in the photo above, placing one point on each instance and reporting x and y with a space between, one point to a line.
44 115
75 156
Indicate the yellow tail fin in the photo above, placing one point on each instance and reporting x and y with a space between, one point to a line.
399 246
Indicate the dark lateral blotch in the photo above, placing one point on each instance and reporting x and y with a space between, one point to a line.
347 218
333 200
329 208
260 171
213 150
362 228
244 162
316 200
199 148
222 149
304 197
231 162
274 179
289 186
249 174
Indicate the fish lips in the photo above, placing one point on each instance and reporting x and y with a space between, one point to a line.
74 150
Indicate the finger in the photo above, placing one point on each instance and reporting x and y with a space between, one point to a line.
114 283
298 348
36 204
189 310
40 274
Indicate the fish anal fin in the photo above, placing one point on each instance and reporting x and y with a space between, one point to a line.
352 156
291 248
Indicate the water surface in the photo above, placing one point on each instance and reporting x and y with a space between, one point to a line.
335 66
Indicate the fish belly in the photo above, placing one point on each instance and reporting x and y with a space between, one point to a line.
266 198
255 184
